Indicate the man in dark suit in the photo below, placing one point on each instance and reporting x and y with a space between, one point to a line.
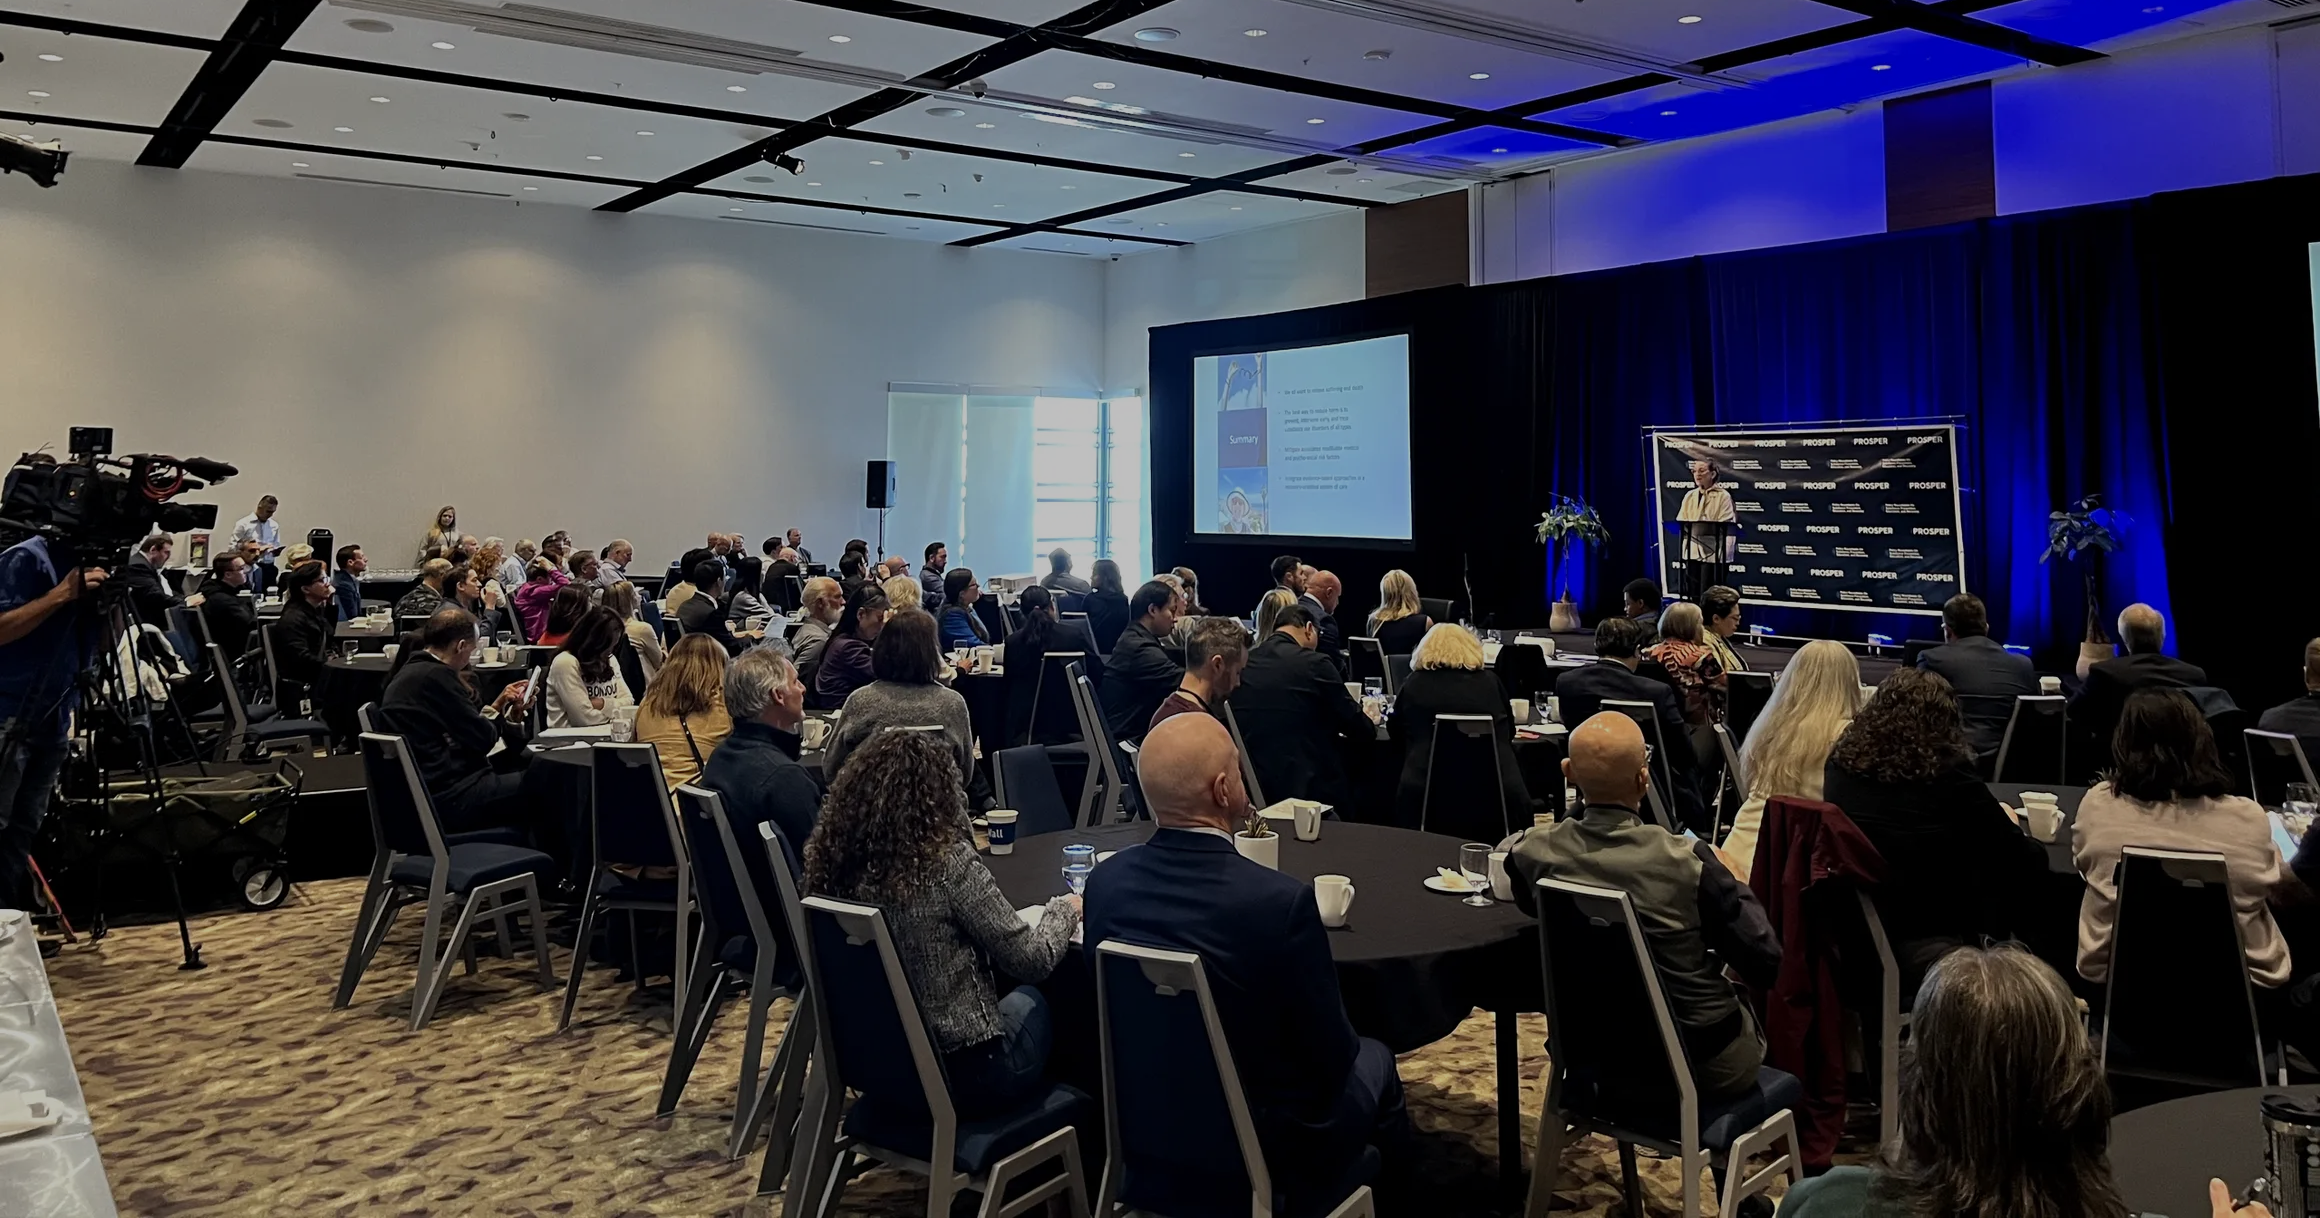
1292 708
1581 692
1288 576
2094 714
1986 676
149 594
346 583
2301 717
1318 1093
1139 675
1322 593
1642 607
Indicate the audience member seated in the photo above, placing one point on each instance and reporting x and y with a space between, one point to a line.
2004 1109
704 614
1720 606
1612 678
930 577
1269 607
2167 790
1293 709
469 592
893 833
903 591
227 606
824 600
1059 577
426 596
756 767
746 598
584 685
1193 605
2094 714
1318 1094
906 693
1954 860
565 610
1288 576
516 567
622 600
1107 606
682 714
1642 607
1323 591
1787 749
612 563
1139 675
959 626
1214 657
533 597
431 703
1025 656
1986 677
2300 717
783 578
1690 663
1399 621
1448 676
346 583
674 596
442 534
584 569
854 568
846 663
1692 906
149 595
302 633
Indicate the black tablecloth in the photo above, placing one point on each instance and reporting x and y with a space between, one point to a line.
1412 963
2066 798
347 684
2163 1156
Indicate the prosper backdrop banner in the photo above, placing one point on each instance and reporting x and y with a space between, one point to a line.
1855 518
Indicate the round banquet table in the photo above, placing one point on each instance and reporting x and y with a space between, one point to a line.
1412 964
348 683
2163 1156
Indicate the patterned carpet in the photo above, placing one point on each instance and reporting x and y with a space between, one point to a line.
238 1091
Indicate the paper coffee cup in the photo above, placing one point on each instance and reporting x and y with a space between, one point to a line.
1520 708
1001 823
1501 885
2049 685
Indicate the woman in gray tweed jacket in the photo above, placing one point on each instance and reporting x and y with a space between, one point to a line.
894 833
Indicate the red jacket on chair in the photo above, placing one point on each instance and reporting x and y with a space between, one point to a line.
1808 855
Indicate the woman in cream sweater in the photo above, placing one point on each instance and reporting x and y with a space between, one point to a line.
1787 749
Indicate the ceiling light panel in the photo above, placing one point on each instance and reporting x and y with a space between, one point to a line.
97 78
774 219
199 18
1381 185
473 124
1016 131
1204 217
1322 45
1650 28
221 157
2081 23
943 182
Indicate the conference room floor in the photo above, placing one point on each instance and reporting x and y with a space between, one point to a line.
238 1090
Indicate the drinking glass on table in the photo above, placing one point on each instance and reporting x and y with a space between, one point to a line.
1474 864
1078 861
505 639
2298 807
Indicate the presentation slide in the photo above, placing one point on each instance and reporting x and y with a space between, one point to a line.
1303 441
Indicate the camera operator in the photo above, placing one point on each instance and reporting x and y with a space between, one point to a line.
43 648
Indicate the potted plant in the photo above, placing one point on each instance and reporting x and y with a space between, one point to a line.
2083 533
1569 520
1257 842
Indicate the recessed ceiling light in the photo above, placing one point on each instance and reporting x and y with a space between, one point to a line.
531 188
1160 224
877 162
1379 55
382 100
733 209
946 112
300 165
1478 76
1070 187
1342 171
36 93
985 126
52 59
1105 84
1667 114
1498 150
813 183
644 133
1691 19
1187 155
1365 181
737 88
911 227
277 123
514 117
997 206
757 177
1156 33
1253 33
2156 8
840 38
593 157
369 25
344 130
1236 209
1315 122
443 46
1880 67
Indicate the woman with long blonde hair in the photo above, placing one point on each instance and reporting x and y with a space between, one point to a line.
442 534
1269 608
1787 749
683 712
1398 603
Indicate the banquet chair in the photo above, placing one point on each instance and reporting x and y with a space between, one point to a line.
1366 660
271 679
1736 771
1465 792
1071 602
1522 671
1177 1126
1437 607
2275 759
1054 717
874 1040
417 862
2178 1006
536 701
1232 724
1397 673
631 822
740 890
1892 1020
1024 780
1130 757
1101 801
1646 716
246 733
1745 694
1618 1067
2036 745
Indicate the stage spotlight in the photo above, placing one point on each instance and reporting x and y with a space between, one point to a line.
783 160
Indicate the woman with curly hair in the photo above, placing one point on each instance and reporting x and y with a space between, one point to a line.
893 832
1954 856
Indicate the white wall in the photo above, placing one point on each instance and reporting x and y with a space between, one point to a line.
2232 106
368 354
1270 270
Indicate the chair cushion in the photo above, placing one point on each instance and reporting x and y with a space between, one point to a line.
495 837
255 711
1721 1122
474 864
904 1127
282 729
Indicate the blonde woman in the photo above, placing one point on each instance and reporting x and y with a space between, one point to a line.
1448 676
1269 608
683 713
903 592
1400 621
1787 750
622 599
441 535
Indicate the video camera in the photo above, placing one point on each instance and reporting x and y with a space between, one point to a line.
42 165
99 506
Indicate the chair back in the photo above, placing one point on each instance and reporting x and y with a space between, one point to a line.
1663 785
878 1040
2228 722
274 688
188 638
1465 793
229 697
1616 1055
366 716
1732 763
2035 746
2275 759
1071 603
1397 673
739 888
1365 659
402 815
632 820
1522 672
1103 751
1745 694
1178 1124
1025 781
1232 724
1437 608
1054 716
2178 1003
1130 758
536 699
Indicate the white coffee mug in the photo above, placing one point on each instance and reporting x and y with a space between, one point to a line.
1334 894
392 649
816 732
1306 816
1520 708
985 657
2042 814
1501 886
2049 685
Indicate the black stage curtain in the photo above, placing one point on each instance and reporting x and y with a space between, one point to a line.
2159 352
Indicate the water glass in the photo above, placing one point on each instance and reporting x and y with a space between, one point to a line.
1474 864
1078 861
1373 687
505 639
